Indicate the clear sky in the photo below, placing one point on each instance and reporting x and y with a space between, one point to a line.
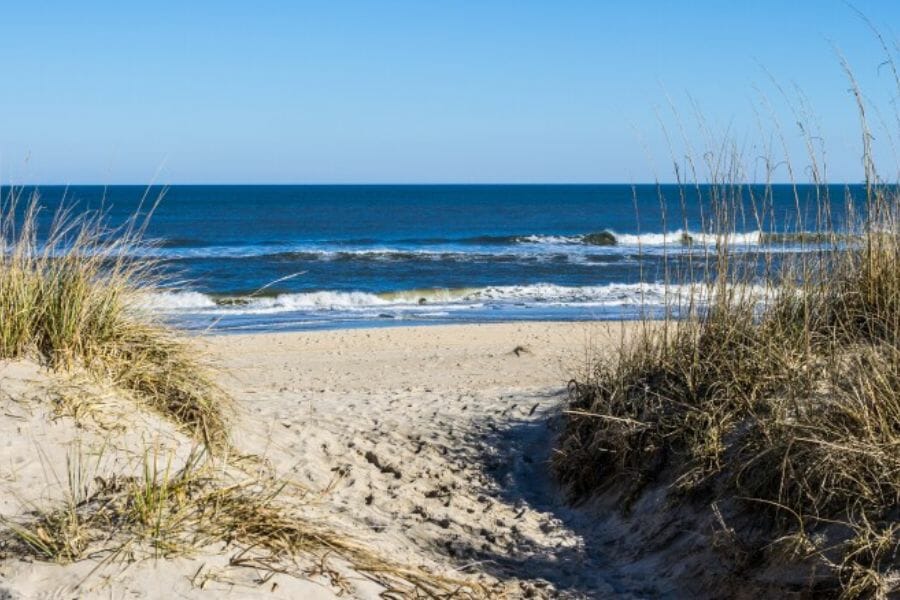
418 91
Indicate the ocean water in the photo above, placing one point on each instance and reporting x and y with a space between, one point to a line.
239 258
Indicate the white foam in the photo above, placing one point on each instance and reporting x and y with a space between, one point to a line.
558 240
426 302
650 239
325 300
175 301
677 238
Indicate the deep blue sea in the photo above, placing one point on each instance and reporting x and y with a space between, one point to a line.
237 258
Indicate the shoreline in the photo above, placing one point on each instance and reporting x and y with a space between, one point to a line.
198 333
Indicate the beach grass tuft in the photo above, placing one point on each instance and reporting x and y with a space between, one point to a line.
164 511
69 296
776 392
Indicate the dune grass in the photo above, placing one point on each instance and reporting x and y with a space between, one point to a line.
68 297
784 405
164 511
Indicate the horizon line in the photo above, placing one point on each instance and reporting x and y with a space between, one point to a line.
423 184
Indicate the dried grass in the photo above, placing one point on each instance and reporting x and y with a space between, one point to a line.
165 512
69 297
787 406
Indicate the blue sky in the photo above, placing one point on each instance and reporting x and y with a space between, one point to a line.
480 91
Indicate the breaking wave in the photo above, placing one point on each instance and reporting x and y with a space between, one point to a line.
542 294
484 248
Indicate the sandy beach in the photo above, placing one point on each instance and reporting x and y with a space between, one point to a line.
431 440
428 444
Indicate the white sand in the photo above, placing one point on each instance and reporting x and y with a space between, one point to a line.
429 444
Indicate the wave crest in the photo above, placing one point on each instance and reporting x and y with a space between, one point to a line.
605 241
546 294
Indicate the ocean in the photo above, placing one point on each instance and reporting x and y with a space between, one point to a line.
293 257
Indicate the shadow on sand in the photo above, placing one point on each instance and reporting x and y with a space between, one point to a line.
515 455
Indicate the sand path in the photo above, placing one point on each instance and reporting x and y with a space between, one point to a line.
432 440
